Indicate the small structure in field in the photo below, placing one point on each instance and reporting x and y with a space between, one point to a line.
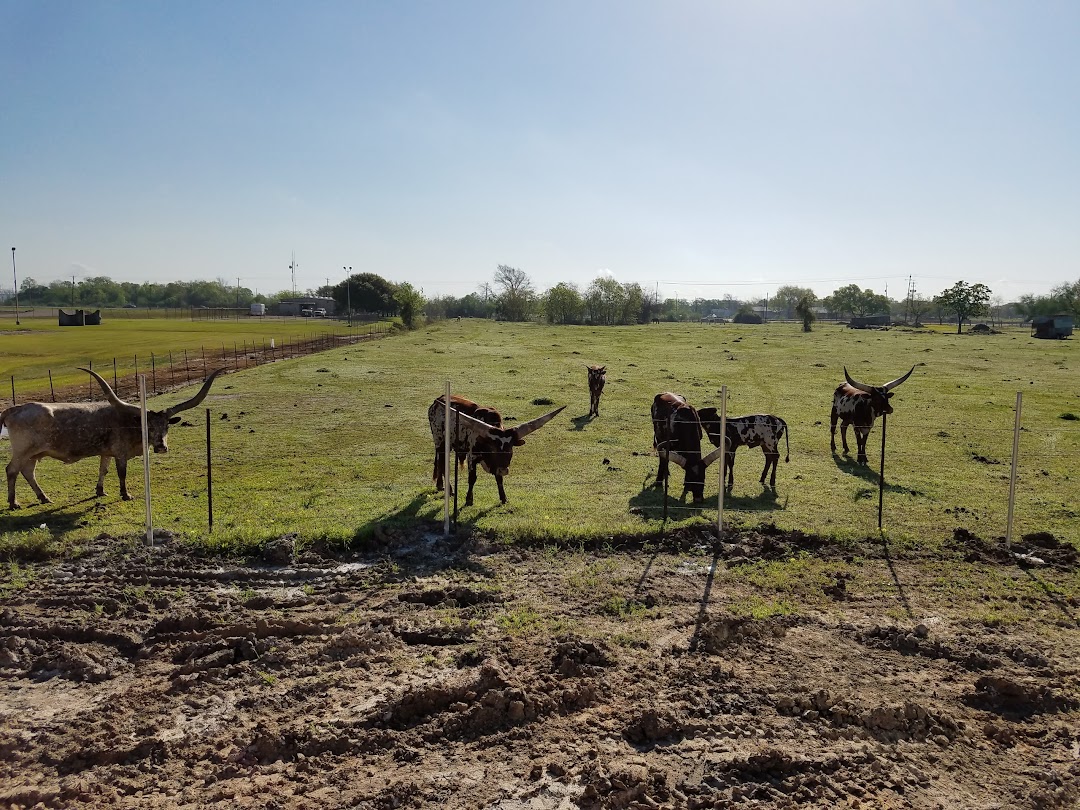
79 318
1052 326
870 322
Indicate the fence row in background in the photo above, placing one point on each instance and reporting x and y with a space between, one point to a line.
169 369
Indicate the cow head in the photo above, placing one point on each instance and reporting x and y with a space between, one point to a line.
495 445
596 376
695 467
710 421
879 394
157 422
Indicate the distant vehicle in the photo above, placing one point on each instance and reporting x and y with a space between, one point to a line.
131 306
320 313
305 313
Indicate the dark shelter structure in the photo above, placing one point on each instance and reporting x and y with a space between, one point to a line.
80 318
1052 326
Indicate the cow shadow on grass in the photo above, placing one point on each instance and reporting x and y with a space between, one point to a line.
870 475
581 422
53 518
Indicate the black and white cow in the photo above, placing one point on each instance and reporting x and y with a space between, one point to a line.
477 436
759 430
859 404
597 378
677 437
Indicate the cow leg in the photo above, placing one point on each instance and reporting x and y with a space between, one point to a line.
502 492
843 435
729 460
661 472
12 474
103 467
121 473
28 470
772 458
832 427
861 435
472 481
437 471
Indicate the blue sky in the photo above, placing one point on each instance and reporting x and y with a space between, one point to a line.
707 147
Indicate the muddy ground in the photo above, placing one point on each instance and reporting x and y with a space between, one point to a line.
461 673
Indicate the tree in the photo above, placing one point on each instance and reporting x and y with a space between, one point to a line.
516 293
787 299
563 304
918 305
852 301
805 310
410 303
963 300
366 292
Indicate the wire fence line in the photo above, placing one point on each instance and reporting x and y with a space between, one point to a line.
171 369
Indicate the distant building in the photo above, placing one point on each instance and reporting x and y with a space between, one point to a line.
870 321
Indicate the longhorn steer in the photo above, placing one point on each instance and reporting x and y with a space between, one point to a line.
762 430
860 404
677 436
597 378
477 436
70 431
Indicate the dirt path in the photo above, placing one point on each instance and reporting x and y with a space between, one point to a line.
460 674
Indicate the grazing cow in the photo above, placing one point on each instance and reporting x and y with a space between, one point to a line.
597 378
70 431
761 430
860 404
477 435
677 436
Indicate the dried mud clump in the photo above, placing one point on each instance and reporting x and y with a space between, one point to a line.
917 642
719 633
1035 549
909 721
625 785
575 658
448 597
85 662
1019 698
653 725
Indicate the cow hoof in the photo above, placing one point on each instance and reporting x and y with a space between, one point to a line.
126 497
13 506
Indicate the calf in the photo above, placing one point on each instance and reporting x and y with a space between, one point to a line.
677 437
477 436
860 404
70 431
597 378
761 430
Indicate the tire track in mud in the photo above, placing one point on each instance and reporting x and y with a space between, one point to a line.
390 682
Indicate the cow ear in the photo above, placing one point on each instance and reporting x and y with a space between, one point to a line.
174 420
518 442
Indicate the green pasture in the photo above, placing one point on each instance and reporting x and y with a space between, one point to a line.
37 346
336 446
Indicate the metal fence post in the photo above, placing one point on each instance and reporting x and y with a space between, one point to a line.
446 465
1012 475
723 462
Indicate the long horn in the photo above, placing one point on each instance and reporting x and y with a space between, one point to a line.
471 423
856 384
525 428
677 458
889 386
112 397
195 400
713 456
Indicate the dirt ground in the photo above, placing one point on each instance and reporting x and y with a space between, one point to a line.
460 673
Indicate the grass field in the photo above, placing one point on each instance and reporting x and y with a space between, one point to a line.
335 445
39 346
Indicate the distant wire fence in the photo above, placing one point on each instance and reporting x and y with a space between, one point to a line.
169 369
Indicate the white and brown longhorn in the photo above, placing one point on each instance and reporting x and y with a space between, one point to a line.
477 436
859 404
760 430
70 431
597 378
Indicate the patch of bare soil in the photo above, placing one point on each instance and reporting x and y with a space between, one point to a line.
453 673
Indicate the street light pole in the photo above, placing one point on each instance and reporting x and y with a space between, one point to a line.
348 293
15 275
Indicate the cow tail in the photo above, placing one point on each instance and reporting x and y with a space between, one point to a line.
787 443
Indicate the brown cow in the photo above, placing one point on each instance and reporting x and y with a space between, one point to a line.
677 437
70 431
860 404
597 378
477 436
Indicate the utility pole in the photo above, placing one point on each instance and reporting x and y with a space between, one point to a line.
348 292
15 275
292 266
73 291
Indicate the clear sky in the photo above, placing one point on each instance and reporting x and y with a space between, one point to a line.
711 147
